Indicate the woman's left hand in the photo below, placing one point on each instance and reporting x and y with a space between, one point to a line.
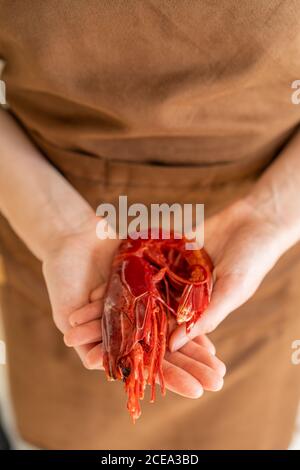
244 246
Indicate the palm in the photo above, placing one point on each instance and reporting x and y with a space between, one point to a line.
74 271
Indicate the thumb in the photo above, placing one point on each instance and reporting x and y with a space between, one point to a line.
228 294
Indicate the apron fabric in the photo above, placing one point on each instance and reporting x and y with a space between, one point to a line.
163 102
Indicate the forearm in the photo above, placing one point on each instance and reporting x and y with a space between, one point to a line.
38 202
276 196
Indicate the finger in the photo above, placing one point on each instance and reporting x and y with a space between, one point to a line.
176 379
98 293
202 355
208 377
94 358
84 334
225 299
180 381
203 340
82 351
89 312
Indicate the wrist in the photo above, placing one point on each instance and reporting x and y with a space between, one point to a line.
269 213
59 229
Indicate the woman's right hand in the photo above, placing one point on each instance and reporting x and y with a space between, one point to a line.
76 270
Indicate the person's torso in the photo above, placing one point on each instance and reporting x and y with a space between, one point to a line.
161 81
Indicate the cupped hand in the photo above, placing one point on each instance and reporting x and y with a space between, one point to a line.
188 372
77 267
76 273
243 246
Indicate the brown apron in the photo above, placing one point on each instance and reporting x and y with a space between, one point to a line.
161 101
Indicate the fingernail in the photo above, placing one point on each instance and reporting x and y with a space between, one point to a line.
200 393
178 343
66 341
218 386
